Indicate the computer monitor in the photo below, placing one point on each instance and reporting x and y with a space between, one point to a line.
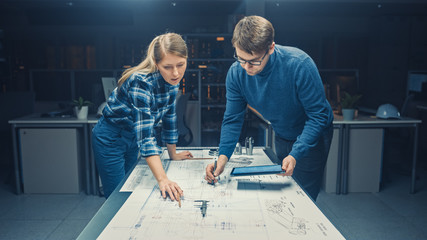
109 84
416 79
417 85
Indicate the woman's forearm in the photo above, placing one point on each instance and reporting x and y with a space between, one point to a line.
156 167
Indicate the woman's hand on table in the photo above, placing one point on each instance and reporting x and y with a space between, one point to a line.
182 155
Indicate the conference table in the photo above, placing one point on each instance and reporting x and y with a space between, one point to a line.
244 207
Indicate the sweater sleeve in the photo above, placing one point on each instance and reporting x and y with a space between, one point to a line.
319 113
233 116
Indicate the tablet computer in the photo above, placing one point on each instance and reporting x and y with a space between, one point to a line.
256 170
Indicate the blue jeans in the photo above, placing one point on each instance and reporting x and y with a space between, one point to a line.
309 170
115 151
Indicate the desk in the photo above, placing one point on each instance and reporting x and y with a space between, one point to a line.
256 207
91 179
341 145
369 122
34 121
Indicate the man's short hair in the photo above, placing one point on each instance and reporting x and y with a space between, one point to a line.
253 34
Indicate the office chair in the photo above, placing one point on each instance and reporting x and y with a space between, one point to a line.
185 136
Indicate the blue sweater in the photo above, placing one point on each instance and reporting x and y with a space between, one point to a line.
288 92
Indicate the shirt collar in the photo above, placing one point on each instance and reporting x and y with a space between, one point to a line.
160 81
269 66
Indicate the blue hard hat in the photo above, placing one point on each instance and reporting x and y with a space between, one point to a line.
387 111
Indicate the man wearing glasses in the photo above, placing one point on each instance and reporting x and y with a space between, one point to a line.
284 86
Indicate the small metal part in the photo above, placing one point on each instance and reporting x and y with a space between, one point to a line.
238 149
203 206
249 144
213 152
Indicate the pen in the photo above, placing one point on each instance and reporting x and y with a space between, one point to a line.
179 201
199 158
213 173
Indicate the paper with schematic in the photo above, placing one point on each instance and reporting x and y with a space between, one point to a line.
142 171
247 207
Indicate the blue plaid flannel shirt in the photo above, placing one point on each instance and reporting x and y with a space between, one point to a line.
139 105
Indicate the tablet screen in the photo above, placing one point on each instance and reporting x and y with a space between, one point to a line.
256 170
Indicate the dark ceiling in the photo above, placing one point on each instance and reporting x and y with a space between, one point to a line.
123 12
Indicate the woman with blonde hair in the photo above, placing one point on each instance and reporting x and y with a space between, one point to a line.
145 95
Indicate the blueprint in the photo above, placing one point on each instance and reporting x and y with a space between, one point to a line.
254 207
140 172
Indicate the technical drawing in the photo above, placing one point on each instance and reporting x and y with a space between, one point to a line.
258 207
240 161
278 211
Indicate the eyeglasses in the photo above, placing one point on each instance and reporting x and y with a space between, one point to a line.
254 63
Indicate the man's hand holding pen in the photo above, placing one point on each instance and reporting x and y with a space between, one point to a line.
212 172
